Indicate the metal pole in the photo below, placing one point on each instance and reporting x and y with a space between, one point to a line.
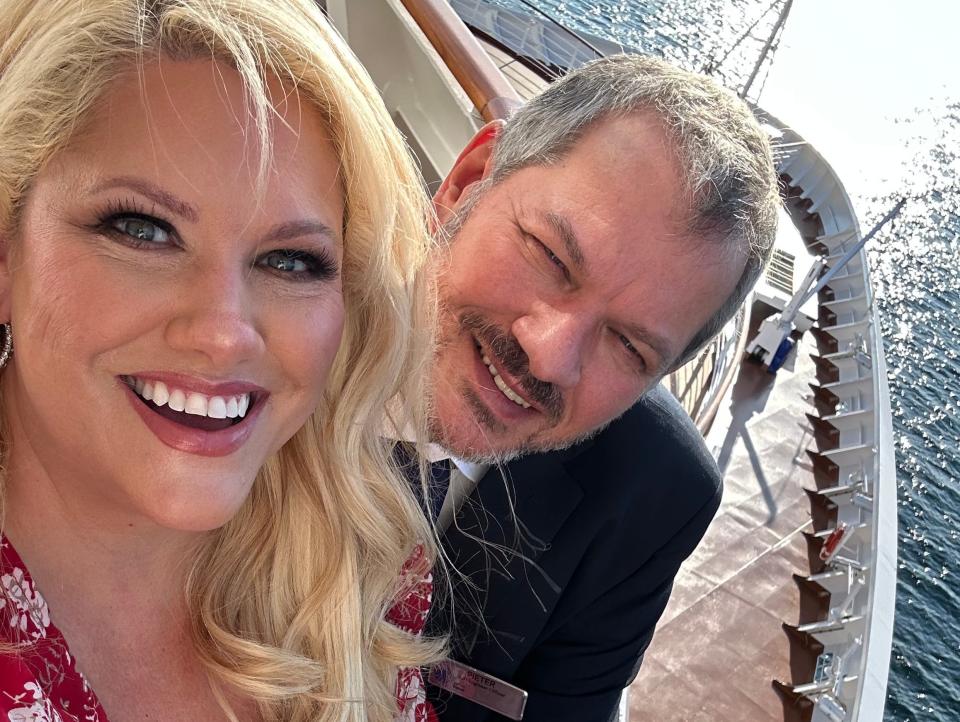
852 252
766 47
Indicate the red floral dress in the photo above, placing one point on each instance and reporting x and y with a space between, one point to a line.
410 614
41 683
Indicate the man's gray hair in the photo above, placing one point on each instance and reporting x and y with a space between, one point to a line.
724 154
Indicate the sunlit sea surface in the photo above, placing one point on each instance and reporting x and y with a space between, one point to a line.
916 270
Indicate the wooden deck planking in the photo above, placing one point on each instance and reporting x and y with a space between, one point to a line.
720 643
525 81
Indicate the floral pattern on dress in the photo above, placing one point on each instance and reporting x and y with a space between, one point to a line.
410 615
40 710
27 611
40 682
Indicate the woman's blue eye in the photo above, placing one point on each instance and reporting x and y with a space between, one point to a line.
299 264
141 230
285 261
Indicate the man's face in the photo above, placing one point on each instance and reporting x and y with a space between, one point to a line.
567 291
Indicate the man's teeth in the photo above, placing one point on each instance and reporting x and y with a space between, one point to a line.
216 407
502 385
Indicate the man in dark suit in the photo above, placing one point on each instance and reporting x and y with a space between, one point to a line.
597 240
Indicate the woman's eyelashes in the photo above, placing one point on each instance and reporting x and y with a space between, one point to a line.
128 223
300 265
134 228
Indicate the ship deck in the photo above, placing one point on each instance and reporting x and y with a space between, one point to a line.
720 642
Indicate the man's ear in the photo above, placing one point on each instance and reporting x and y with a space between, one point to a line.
471 166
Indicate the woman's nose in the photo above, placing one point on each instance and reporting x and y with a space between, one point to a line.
215 319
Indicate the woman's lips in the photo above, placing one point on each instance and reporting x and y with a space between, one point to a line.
201 437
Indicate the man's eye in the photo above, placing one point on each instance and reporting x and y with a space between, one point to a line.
141 231
552 257
631 349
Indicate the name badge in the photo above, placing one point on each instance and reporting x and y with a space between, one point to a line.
478 687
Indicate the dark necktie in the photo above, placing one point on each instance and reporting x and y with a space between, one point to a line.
406 457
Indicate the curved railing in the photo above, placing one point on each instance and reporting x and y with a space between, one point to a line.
861 577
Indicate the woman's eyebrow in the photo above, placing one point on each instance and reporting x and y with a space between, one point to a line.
296 229
155 193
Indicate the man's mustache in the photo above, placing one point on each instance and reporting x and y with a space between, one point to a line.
510 357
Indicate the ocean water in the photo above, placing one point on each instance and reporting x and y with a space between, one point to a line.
917 271
916 267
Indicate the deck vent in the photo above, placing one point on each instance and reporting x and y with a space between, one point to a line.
780 271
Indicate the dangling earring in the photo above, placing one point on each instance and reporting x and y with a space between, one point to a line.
7 350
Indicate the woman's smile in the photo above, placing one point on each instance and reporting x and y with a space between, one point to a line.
195 416
191 407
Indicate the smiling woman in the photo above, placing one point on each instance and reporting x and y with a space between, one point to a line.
207 277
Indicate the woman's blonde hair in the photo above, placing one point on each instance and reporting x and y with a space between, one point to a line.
288 599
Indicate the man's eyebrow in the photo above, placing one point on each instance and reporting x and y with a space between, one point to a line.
154 193
296 229
659 344
563 229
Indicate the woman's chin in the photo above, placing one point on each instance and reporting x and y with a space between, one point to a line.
201 510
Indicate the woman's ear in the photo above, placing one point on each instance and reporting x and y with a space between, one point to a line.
472 166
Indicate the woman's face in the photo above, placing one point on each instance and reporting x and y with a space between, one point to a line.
146 265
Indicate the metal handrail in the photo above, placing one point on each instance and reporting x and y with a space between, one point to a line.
873 665
705 417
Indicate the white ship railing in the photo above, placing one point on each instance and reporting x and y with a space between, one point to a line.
861 577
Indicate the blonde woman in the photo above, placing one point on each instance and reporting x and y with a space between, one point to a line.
209 229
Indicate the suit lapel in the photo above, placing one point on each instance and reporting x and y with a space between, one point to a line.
516 511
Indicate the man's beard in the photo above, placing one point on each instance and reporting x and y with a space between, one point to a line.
506 354
484 421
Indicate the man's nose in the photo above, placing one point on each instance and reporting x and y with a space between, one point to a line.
554 341
215 319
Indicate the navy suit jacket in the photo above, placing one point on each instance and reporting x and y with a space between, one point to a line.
563 601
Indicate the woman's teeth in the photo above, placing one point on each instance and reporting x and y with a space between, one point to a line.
502 385
190 402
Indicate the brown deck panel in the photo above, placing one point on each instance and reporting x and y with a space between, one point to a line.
720 643
526 82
